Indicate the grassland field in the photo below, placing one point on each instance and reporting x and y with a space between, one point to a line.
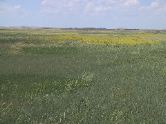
56 76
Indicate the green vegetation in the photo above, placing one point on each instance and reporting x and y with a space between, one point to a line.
77 76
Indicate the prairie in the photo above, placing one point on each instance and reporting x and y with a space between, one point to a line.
82 76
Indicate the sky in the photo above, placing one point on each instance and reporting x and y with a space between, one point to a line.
146 14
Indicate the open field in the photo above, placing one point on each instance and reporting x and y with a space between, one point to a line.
55 76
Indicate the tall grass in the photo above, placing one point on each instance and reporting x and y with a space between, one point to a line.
50 77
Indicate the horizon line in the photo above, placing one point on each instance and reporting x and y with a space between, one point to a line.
72 28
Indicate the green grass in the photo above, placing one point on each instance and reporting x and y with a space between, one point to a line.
67 82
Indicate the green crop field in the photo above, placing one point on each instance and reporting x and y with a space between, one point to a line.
60 76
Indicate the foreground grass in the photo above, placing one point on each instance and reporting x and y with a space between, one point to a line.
68 82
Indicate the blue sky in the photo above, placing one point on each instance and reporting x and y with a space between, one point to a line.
84 13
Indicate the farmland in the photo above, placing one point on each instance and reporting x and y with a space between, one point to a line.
51 76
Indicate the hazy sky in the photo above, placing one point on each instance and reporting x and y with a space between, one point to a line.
84 13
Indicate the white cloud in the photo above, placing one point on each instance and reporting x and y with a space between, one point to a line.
59 6
156 7
10 9
131 2
86 6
